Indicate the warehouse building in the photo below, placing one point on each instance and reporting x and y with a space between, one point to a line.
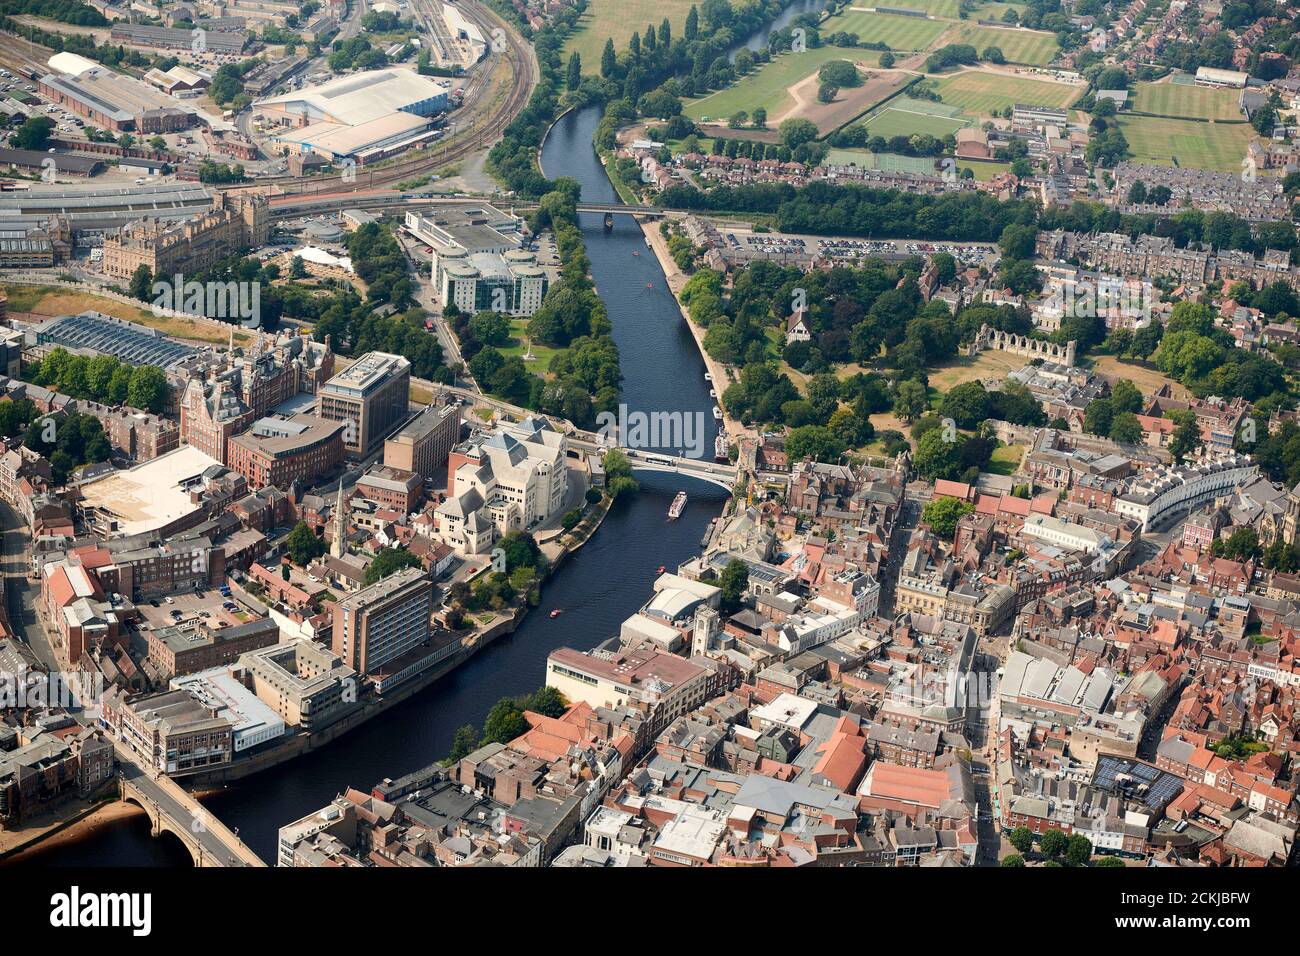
117 102
169 38
63 164
364 116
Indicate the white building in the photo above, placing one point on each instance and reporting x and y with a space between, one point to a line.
1073 537
1162 492
511 479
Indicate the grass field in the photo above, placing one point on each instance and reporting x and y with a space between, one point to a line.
985 365
618 20
899 33
984 171
904 116
768 87
51 300
936 8
1006 459
1166 142
889 161
1018 46
1148 380
541 353
1181 99
983 94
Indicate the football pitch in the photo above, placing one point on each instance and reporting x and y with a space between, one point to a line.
1171 142
898 33
1184 99
983 94
905 116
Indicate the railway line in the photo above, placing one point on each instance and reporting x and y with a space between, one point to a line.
482 130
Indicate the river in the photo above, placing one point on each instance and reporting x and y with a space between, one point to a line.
599 586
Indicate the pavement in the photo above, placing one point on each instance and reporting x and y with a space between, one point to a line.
20 590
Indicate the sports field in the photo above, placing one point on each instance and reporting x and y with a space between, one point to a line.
982 170
618 20
1166 142
769 86
1018 46
936 8
865 159
904 116
1183 99
898 33
983 94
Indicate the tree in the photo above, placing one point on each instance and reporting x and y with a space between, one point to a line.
618 474
1125 397
966 404
692 27
759 118
827 92
795 132
1110 862
1186 439
142 283
1022 838
1013 860
1053 842
608 60
910 400
148 389
813 441
942 515
936 457
504 722
733 582
1126 429
1078 850
303 545
33 134
463 743
547 701
886 60
389 561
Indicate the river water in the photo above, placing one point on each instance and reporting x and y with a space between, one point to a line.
599 586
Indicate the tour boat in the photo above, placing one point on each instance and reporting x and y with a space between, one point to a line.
721 448
717 413
677 507
555 612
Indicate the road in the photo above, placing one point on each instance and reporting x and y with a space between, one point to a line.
20 591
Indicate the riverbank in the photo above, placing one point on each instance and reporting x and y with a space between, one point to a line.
722 374
79 824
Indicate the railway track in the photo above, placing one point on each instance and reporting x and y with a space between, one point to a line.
481 131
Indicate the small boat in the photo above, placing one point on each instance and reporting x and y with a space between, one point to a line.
721 448
649 285
713 393
609 221
659 570
708 376
556 612
636 252
677 507
717 413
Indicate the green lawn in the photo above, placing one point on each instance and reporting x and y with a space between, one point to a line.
984 171
1018 46
1181 99
1167 142
1005 459
866 159
905 116
618 20
542 353
899 33
983 94
936 8
768 86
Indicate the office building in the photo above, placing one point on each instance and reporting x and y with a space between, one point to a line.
424 443
384 621
370 397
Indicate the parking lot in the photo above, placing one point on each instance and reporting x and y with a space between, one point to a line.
210 608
